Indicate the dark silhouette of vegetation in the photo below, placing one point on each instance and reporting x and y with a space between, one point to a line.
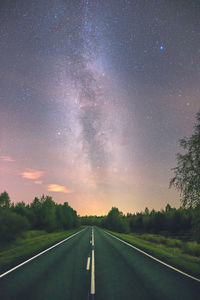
4 200
116 221
11 225
45 214
41 214
187 172
182 222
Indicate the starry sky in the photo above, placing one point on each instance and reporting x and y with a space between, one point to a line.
94 96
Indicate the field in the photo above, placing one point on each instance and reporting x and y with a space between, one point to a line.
183 255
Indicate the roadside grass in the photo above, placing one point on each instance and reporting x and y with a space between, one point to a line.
182 255
32 242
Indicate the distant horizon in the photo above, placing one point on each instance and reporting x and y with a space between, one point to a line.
100 215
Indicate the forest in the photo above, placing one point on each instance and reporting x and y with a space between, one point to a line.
41 214
44 214
182 222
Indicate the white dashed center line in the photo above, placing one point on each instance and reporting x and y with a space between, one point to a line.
92 290
88 264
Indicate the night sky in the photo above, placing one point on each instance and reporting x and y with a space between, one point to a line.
94 97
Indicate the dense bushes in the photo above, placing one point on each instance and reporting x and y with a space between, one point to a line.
43 214
11 225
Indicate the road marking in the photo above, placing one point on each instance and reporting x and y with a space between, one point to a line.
158 260
92 238
88 264
92 290
92 287
26 261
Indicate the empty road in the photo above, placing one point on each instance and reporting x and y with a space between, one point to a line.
94 265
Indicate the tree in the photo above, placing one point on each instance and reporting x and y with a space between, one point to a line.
4 200
11 225
187 172
36 208
116 221
167 208
49 213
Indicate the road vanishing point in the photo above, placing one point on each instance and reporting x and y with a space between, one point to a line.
93 264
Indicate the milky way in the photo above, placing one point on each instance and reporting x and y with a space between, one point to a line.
94 96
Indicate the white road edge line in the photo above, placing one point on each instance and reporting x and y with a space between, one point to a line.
26 261
92 289
88 264
158 260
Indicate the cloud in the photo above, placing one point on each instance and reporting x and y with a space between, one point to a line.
7 158
32 174
58 188
38 182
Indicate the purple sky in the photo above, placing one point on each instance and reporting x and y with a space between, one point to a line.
94 96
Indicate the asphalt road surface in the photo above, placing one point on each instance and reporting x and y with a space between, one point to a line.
94 265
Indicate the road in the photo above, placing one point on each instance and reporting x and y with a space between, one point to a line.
95 265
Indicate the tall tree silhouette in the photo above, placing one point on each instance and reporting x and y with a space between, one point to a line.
187 172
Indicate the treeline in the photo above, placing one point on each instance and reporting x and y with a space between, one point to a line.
182 222
42 214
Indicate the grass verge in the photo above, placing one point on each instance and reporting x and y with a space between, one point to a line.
33 242
179 254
